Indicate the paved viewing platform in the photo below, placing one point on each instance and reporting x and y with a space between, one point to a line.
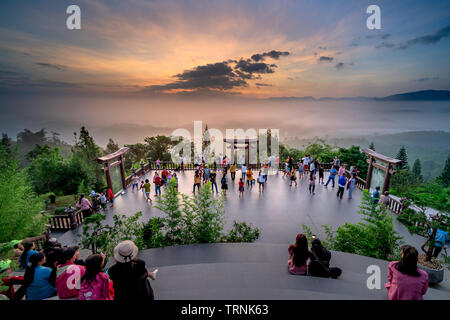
259 270
278 212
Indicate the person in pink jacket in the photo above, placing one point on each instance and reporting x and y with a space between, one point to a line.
405 280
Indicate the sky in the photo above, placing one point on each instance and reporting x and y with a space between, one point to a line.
143 67
251 49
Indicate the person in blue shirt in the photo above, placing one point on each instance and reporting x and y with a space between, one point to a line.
39 280
333 173
341 184
376 195
441 238
27 253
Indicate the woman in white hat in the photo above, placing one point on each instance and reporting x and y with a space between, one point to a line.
129 274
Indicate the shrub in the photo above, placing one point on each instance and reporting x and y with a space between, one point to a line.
242 232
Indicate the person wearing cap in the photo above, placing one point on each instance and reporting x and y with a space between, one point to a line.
68 274
130 275
9 281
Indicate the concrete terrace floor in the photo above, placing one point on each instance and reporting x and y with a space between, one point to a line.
278 212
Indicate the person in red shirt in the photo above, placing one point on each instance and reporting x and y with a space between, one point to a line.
110 197
69 274
158 182
241 187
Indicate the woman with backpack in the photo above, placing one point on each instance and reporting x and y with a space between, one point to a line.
319 266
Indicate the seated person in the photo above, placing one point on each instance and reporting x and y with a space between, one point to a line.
405 280
39 280
27 253
299 255
319 265
68 274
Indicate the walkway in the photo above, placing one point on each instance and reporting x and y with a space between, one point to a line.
278 212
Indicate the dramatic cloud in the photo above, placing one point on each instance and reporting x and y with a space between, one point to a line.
51 66
383 36
326 59
220 76
271 54
428 39
339 65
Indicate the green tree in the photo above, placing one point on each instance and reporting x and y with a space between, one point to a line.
372 146
417 170
111 147
20 207
445 176
402 155
354 156
169 203
45 168
159 147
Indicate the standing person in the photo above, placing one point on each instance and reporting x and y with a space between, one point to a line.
244 171
301 170
293 178
249 177
224 182
197 182
141 186
103 201
158 164
306 163
206 173
135 182
405 280
147 191
440 239
176 180
213 181
110 196
233 171
299 255
312 183
341 170
265 172
376 195
157 181
336 162
68 274
341 184
95 284
130 275
261 181
321 170
28 251
333 173
312 167
39 280
241 187
384 199
286 169
350 186
85 205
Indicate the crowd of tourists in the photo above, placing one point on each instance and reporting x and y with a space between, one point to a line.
57 272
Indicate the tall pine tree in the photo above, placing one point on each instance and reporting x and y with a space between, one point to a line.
445 176
401 155
372 146
417 170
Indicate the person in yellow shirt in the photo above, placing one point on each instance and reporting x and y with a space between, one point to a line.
197 182
233 171
250 177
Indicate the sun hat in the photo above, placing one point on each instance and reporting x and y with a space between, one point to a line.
125 251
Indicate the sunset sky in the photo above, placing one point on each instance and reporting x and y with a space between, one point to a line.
240 47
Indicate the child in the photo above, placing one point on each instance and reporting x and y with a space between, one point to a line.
321 173
103 200
110 197
147 191
135 182
261 181
241 187
197 181
293 178
249 177
301 170
141 187
95 284
312 183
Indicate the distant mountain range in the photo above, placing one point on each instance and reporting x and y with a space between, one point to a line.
424 95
